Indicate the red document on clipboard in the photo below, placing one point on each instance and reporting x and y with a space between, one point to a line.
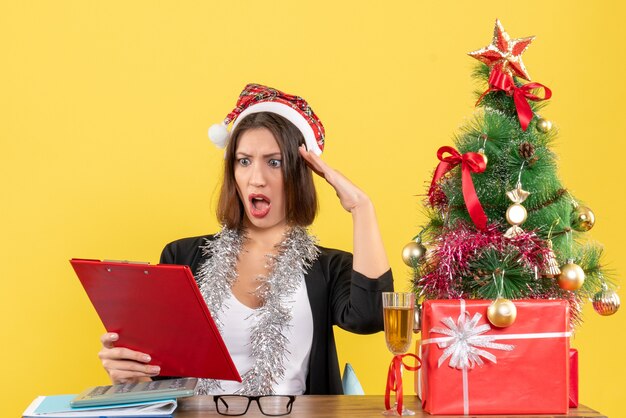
158 310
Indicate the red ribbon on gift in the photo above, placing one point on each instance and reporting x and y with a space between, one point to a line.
394 379
471 162
499 80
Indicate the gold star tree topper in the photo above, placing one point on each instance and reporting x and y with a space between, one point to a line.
505 53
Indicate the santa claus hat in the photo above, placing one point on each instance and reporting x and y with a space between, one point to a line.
257 98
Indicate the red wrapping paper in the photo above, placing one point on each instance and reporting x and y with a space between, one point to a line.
573 378
532 378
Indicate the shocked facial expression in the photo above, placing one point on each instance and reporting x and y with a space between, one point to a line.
259 177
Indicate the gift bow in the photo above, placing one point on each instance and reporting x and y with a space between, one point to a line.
499 80
471 162
465 342
394 379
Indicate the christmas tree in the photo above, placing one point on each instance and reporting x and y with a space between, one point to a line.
501 225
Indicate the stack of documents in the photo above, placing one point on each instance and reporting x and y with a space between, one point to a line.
59 407
142 399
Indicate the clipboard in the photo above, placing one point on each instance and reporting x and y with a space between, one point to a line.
158 310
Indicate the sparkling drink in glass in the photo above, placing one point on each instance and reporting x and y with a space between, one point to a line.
398 311
398 328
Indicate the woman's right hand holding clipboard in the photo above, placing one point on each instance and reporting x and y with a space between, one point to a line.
124 365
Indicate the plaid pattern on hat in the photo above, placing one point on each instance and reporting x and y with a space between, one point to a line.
258 98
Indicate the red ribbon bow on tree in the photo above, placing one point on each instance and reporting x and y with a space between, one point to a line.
499 80
394 379
471 162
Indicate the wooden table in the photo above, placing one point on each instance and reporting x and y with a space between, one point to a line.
331 406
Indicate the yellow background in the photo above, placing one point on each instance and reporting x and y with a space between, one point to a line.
104 108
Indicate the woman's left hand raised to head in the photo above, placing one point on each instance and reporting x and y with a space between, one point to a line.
370 258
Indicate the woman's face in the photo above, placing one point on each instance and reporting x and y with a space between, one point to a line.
259 177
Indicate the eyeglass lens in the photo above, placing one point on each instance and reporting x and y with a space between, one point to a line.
275 405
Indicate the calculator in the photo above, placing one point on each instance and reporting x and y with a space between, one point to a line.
136 392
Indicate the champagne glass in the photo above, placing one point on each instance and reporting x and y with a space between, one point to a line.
398 311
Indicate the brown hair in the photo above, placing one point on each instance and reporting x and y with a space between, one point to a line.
300 196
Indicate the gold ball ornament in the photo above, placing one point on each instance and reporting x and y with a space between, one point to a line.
516 214
583 219
482 153
572 276
430 262
606 302
413 253
417 318
544 125
502 313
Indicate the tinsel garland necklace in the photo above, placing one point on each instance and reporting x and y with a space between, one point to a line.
268 341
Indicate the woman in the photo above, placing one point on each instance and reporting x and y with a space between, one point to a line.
275 295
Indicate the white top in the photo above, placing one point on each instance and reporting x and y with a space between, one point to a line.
238 319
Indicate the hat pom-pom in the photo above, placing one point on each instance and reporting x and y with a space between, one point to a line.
218 134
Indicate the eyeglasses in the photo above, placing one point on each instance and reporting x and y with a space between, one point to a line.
270 405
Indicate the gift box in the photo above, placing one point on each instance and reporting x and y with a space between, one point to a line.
573 378
472 367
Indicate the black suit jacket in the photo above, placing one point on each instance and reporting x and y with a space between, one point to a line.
338 296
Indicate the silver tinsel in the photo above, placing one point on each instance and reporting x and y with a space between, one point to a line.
268 341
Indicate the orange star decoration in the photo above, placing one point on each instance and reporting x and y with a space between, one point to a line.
505 53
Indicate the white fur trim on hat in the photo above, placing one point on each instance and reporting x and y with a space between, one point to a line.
288 113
